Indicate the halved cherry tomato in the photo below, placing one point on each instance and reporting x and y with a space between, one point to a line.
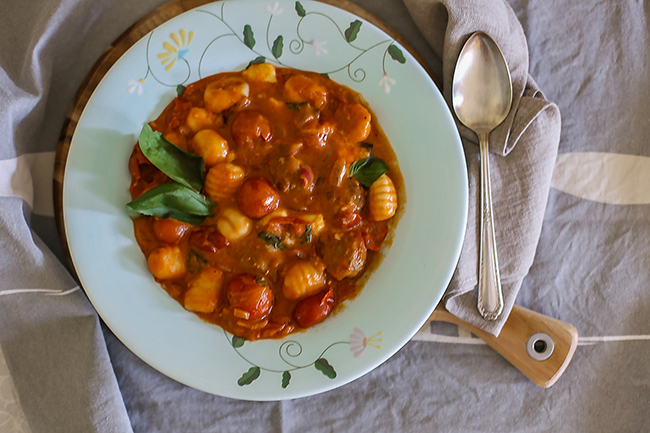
208 240
278 225
246 295
314 309
348 219
374 235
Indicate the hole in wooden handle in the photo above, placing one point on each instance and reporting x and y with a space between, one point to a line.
540 346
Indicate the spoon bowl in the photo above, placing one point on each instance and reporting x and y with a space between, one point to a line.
482 87
482 97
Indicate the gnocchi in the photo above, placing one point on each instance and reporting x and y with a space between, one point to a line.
220 96
262 72
167 263
223 180
293 206
200 118
233 224
382 198
300 88
203 292
211 146
303 279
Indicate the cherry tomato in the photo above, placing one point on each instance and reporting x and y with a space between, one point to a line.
348 219
279 225
136 160
314 309
250 127
246 294
208 240
257 198
169 231
374 235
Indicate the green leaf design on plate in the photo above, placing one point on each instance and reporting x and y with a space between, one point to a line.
180 89
237 342
368 170
286 378
256 61
249 40
172 200
277 47
353 30
248 377
396 54
324 367
183 167
300 10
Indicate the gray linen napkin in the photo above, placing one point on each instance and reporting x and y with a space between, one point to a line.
523 150
50 334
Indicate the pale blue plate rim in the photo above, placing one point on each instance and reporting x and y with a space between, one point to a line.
419 265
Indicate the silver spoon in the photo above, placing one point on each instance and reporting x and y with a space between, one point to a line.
482 96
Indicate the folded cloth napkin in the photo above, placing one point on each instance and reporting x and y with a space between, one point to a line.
523 150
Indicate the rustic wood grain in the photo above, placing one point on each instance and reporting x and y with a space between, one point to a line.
511 342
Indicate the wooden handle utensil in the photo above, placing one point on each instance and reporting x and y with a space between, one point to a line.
539 346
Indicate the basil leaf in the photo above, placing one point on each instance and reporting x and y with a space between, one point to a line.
272 239
183 167
172 200
368 170
296 106
306 237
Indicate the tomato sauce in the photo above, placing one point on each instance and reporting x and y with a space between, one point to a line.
293 234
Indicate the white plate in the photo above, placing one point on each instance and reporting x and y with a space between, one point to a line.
399 296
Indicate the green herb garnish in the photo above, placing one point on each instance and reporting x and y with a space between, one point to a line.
297 105
172 200
272 239
183 167
261 281
368 170
306 237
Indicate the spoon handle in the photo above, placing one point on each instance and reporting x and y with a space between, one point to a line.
490 296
